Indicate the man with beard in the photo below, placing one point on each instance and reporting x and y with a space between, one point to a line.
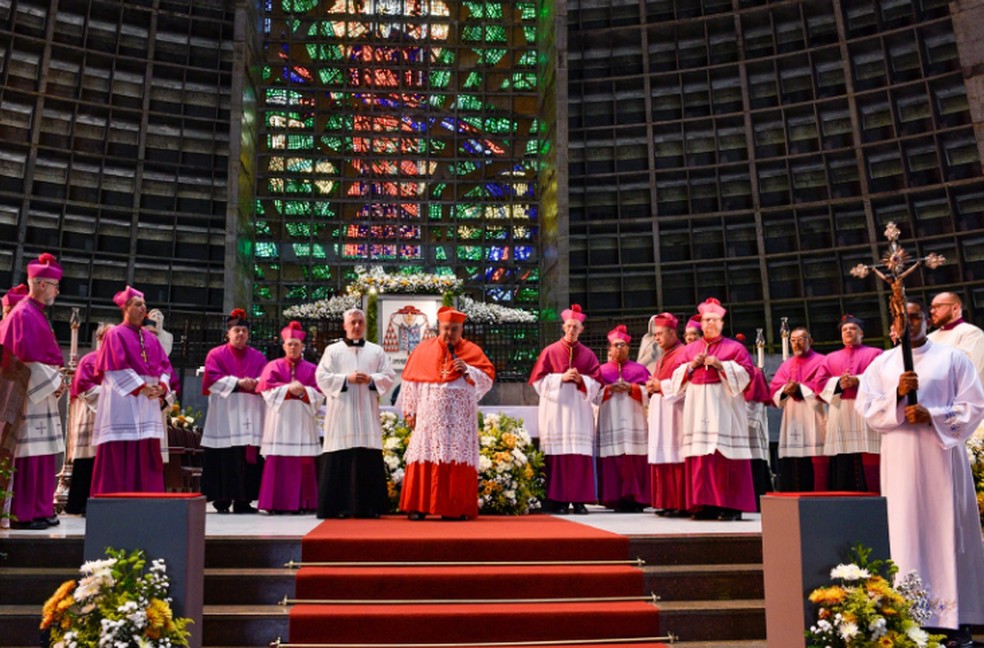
933 523
353 374
26 334
946 312
231 465
567 377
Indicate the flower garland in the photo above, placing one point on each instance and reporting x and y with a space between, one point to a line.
115 604
492 313
376 280
510 473
328 309
864 610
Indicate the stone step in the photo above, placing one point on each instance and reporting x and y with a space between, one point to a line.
742 619
697 550
223 625
705 582
263 586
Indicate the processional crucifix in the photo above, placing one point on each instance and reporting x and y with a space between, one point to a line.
895 266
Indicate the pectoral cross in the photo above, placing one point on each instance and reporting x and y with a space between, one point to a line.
896 264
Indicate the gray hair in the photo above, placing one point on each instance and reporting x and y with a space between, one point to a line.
353 311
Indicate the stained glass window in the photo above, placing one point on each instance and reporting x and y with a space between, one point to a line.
398 123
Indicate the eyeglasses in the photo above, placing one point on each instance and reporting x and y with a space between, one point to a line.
941 304
51 283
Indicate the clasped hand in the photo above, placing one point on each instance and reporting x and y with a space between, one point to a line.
571 375
704 360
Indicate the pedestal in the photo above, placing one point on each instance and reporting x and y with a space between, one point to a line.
164 525
805 535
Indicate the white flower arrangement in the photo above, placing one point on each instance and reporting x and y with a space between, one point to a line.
492 313
328 309
376 279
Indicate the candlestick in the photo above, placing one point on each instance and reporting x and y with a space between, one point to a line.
73 350
784 332
760 348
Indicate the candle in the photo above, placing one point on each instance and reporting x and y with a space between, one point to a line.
784 332
760 348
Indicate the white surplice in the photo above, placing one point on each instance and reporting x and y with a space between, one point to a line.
966 337
847 431
41 434
566 416
665 419
758 430
290 428
933 520
82 414
352 411
622 428
121 416
804 423
715 418
234 418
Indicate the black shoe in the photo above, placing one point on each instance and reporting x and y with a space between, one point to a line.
563 508
51 521
241 509
730 515
706 513
580 509
33 525
416 516
457 518
662 512
342 515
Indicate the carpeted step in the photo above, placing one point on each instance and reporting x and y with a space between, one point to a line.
369 624
422 582
487 538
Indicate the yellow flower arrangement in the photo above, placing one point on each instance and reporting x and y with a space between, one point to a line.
115 603
865 611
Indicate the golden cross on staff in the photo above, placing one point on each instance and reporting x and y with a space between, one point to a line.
897 265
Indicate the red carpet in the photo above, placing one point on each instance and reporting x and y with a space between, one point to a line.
412 604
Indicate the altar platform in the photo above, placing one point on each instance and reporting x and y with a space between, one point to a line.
262 525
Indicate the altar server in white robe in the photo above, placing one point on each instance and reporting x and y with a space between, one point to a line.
933 520
353 374
946 312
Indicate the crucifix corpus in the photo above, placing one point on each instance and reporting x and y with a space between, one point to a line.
895 266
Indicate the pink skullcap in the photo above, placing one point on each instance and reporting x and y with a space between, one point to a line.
573 313
693 322
619 333
712 306
45 267
14 295
448 314
666 319
293 331
123 296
